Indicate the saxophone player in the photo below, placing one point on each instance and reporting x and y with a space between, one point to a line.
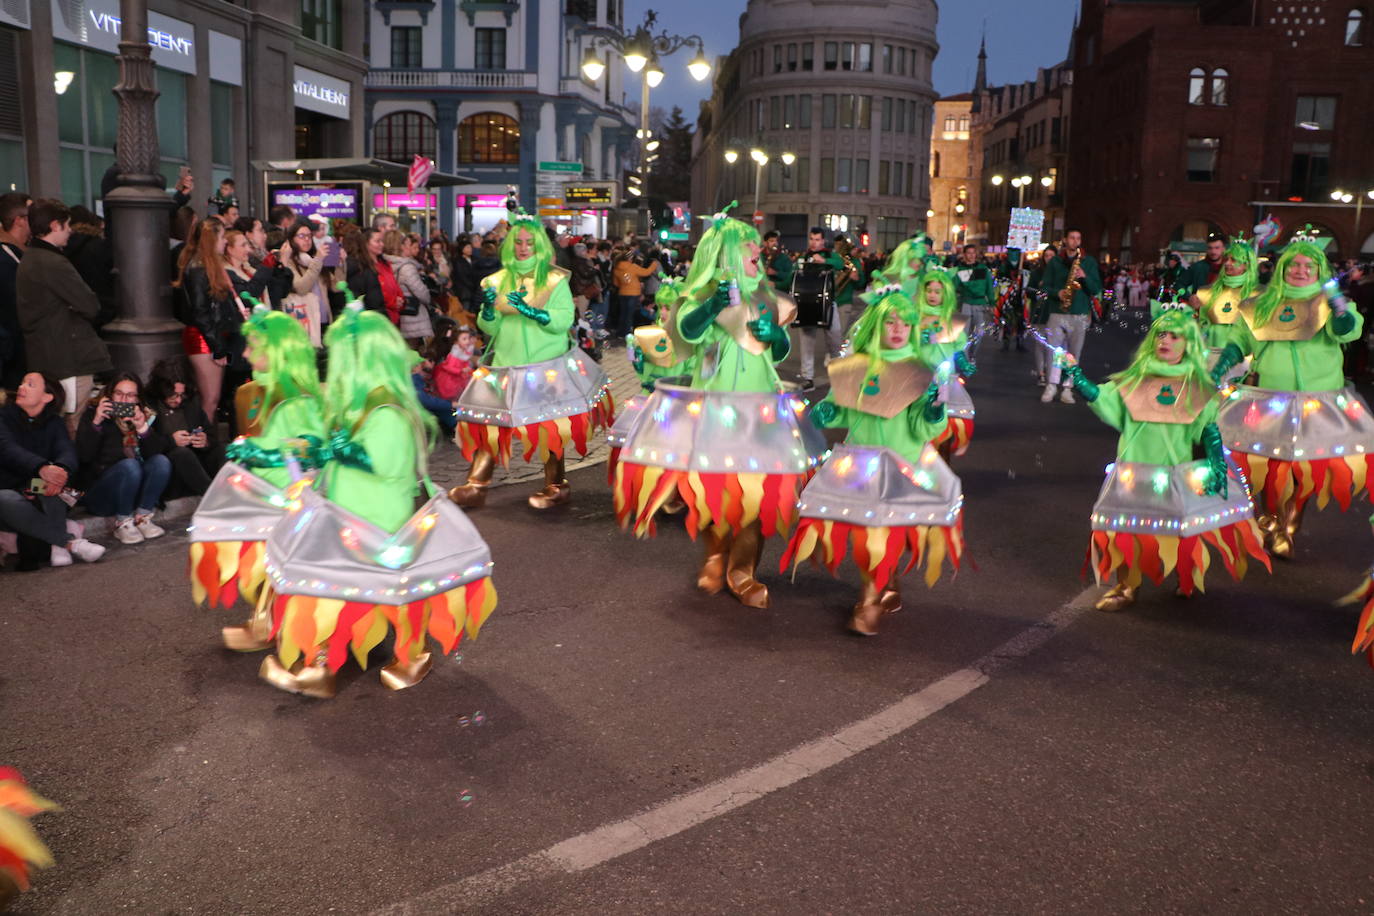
1072 278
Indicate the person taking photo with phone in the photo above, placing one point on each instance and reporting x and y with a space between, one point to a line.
123 462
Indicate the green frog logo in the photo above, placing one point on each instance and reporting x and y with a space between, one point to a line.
871 385
1166 396
1288 314
1226 308
661 346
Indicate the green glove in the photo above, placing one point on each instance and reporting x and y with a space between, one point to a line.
488 303
1342 323
1077 379
934 410
1216 461
1230 358
517 302
824 413
765 330
963 365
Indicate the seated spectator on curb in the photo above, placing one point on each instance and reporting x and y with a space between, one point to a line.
36 459
435 375
123 463
196 453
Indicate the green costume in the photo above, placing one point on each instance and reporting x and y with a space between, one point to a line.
973 284
658 350
1219 304
1056 276
383 491
1297 344
1149 440
526 315
908 430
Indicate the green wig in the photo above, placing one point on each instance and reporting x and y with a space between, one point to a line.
866 336
1178 320
719 257
543 251
367 355
949 301
291 369
898 268
1278 291
1242 252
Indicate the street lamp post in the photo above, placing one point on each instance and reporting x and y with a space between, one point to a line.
642 50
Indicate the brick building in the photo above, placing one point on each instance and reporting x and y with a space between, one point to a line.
953 173
1191 116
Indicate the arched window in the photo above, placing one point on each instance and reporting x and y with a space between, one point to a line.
1220 79
1197 87
950 121
963 123
1354 29
402 136
489 137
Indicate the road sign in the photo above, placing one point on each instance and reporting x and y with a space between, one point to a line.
758 217
575 167
589 195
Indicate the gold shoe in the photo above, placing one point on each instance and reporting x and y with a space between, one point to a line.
554 494
314 681
711 579
1267 523
891 599
245 638
473 493
399 675
746 549
1279 543
674 505
1117 598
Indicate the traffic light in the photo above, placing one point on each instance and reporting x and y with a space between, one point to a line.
663 235
863 239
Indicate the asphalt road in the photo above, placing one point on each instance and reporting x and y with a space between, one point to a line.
1211 755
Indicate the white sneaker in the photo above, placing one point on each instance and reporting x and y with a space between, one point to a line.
1048 394
84 550
145 526
1066 396
126 533
60 556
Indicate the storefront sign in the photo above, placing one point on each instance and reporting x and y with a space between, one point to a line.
15 12
589 196
388 201
96 24
331 203
226 58
320 93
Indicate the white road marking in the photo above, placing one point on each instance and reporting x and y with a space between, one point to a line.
596 847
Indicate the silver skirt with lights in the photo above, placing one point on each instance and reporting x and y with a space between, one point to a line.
958 404
324 551
1164 499
238 506
722 432
1296 425
514 396
875 487
628 412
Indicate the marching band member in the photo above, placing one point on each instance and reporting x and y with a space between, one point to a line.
1071 280
818 254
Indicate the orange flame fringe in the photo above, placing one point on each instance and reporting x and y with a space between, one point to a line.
540 440
959 432
877 550
20 846
221 569
726 502
1364 630
1275 481
304 625
1157 555
611 464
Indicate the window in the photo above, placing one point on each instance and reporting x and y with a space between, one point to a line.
846 110
405 48
865 62
489 137
1316 112
777 58
935 165
886 123
827 111
804 112
775 113
884 170
963 121
901 61
774 176
1197 87
911 188
171 115
402 136
863 112
844 177
491 49
897 173
847 55
320 21
900 126
861 176
758 114
1203 153
1220 78
808 63
222 127
827 176
887 58
792 58
802 171
891 232
832 55
789 112
1354 29
1308 175
950 122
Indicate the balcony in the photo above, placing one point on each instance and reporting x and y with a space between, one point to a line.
450 79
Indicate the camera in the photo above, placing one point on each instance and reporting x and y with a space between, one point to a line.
122 410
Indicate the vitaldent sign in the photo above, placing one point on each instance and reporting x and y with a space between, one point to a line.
96 24
317 92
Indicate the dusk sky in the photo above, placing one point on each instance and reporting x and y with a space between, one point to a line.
1021 37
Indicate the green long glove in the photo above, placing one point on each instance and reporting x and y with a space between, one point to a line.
963 365
1077 379
517 302
934 411
824 413
488 303
1216 461
251 455
695 323
1230 358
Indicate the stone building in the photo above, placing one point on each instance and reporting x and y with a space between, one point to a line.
845 92
953 174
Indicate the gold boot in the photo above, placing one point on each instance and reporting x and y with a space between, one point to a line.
473 493
255 634
557 490
891 598
399 675
1286 525
312 681
1118 597
711 579
745 552
866 614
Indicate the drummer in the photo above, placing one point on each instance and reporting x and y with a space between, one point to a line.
818 252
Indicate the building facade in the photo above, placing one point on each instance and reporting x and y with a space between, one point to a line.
1200 116
1021 132
493 90
227 72
846 91
953 174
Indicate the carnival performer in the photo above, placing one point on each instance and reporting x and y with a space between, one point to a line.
733 444
941 339
884 492
20 846
537 388
1301 433
354 557
1218 305
904 267
1159 510
247 497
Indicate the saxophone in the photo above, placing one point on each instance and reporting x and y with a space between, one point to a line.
1071 285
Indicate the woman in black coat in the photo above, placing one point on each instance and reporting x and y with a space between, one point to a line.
210 309
363 249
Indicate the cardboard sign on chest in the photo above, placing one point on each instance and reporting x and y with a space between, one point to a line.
1296 319
1222 308
1165 399
538 298
886 393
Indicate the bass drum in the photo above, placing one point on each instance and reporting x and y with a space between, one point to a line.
813 288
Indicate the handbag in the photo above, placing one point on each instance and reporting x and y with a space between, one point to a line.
410 305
